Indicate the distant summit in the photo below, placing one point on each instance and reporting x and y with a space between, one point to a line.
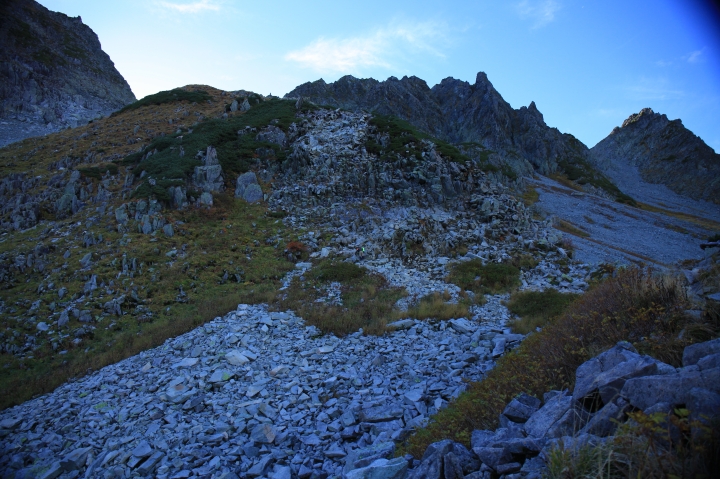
665 152
455 111
53 72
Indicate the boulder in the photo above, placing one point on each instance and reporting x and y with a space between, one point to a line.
360 458
693 353
272 134
243 181
263 433
703 404
253 193
206 199
554 411
431 464
381 469
674 389
521 408
75 459
604 422
493 456
586 374
607 385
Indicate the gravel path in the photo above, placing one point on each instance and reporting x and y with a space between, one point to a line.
618 233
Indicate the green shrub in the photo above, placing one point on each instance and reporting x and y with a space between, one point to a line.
647 446
406 140
236 153
97 172
536 308
367 300
338 271
167 96
482 279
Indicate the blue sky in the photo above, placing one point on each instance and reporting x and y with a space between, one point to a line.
587 65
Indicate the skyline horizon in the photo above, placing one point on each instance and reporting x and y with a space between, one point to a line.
587 67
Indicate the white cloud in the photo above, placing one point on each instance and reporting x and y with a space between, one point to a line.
542 12
653 89
194 7
380 48
695 57
663 63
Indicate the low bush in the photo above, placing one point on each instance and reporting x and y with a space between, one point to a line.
406 140
636 305
367 300
524 261
338 271
646 446
483 279
537 308
436 306
236 153
168 96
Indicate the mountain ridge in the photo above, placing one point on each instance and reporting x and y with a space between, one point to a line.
455 111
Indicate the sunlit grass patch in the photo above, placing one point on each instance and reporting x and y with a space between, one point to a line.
567 227
530 196
436 306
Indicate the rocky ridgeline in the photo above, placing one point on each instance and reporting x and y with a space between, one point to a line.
254 393
455 111
53 72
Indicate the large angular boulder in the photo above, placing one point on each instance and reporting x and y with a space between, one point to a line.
272 134
693 353
208 177
247 187
607 385
521 408
675 389
554 413
361 458
381 469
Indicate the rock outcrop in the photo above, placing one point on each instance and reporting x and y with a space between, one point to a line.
455 111
608 388
665 152
53 72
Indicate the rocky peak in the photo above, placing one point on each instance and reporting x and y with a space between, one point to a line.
53 72
646 114
665 152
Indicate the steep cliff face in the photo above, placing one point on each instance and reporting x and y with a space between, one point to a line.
455 111
53 70
664 152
